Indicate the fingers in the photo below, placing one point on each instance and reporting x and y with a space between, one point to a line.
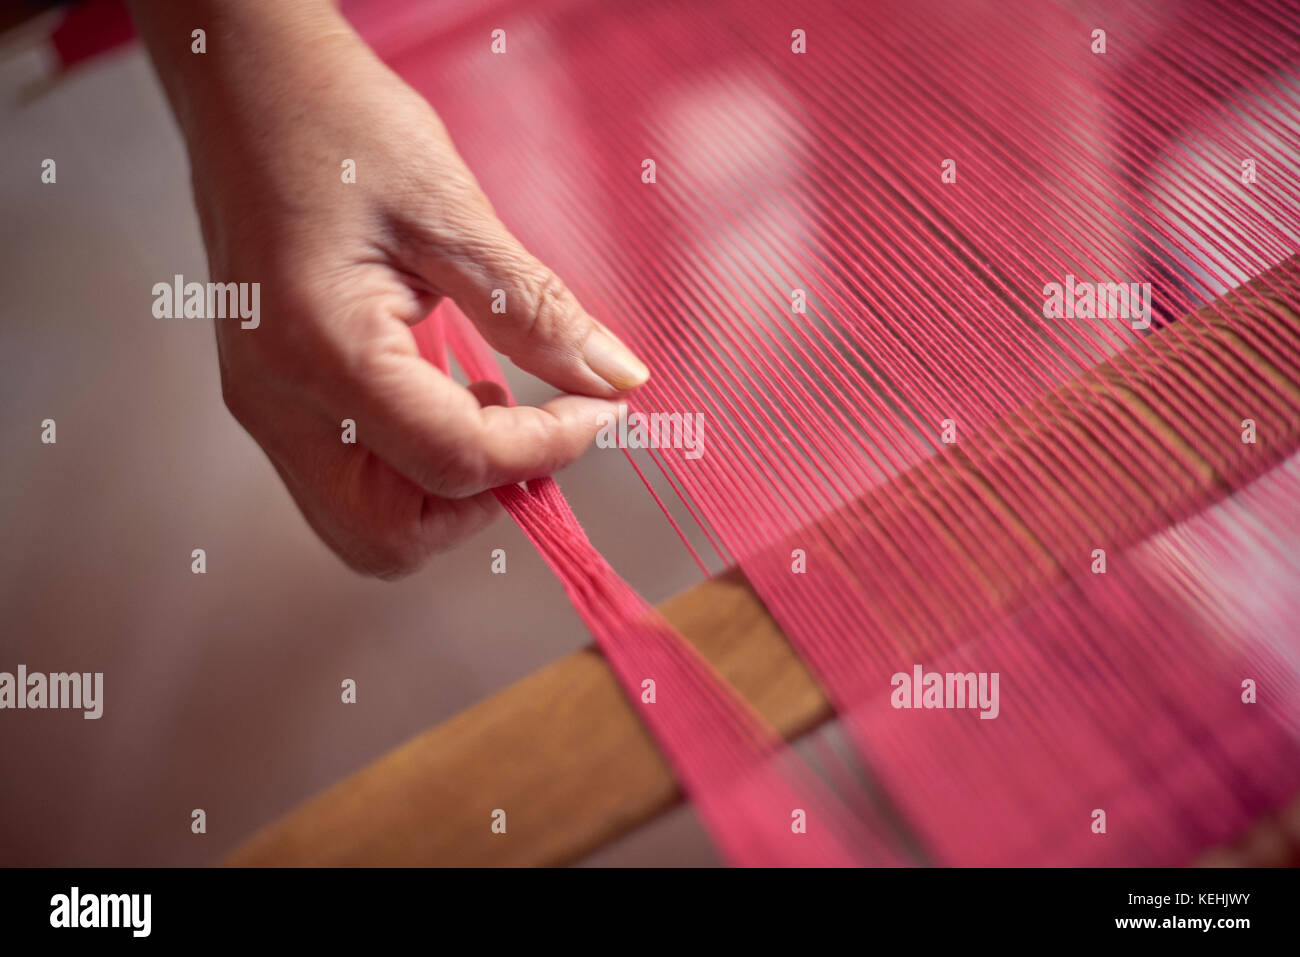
523 309
437 434
377 521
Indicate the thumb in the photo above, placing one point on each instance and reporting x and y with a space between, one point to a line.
527 313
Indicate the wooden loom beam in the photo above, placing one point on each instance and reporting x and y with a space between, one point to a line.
564 752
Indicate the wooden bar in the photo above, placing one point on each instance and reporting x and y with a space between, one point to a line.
561 751
565 755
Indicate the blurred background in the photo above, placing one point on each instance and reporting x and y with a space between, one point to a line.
222 691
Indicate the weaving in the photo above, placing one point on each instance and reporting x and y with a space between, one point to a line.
990 312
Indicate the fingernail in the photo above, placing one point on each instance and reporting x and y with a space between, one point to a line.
613 361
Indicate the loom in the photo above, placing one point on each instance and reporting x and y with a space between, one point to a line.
1101 509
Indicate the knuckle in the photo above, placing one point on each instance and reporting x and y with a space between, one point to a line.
364 368
371 363
551 308
448 222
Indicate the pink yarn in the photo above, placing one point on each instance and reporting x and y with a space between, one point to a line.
926 302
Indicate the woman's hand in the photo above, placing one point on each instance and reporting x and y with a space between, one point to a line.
285 93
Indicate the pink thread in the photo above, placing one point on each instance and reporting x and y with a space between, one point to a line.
821 171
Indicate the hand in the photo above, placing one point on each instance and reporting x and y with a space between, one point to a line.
283 96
